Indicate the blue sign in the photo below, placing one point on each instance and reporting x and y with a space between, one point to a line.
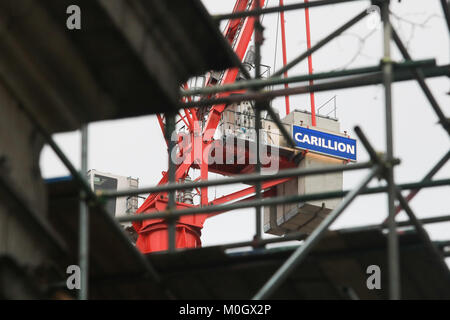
325 143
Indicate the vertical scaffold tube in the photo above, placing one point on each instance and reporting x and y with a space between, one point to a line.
83 254
393 250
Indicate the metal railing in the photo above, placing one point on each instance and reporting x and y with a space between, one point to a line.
326 104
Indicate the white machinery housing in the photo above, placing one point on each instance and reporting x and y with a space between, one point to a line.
305 217
121 206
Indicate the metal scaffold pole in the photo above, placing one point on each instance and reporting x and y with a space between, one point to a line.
83 243
295 6
393 254
171 232
258 38
255 83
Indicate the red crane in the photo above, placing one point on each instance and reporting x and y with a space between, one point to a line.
201 125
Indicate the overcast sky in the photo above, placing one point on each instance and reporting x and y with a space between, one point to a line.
135 147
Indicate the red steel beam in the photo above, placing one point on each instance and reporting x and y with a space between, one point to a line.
283 45
310 67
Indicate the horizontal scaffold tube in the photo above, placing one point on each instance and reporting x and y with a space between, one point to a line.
275 201
258 83
347 82
244 178
289 7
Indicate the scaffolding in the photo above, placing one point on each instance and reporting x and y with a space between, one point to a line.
381 165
